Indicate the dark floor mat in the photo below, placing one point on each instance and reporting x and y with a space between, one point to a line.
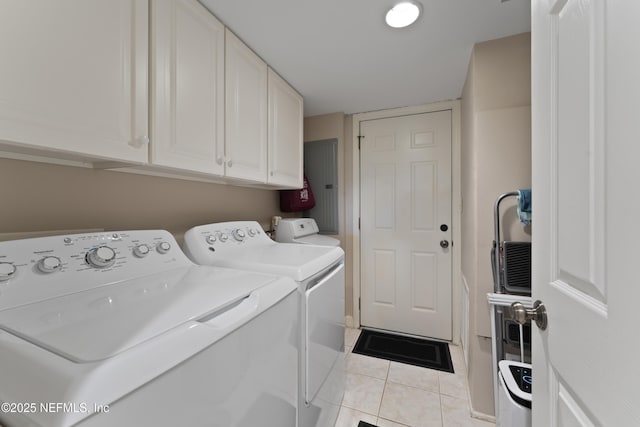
398 348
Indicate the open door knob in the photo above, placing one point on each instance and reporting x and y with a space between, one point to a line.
444 244
522 314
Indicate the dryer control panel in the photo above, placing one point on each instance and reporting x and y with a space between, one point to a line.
246 233
205 243
45 267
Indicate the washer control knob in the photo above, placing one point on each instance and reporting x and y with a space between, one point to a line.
252 232
49 264
141 250
163 247
101 257
238 234
211 239
7 271
223 237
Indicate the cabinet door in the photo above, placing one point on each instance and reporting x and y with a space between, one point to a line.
285 133
246 112
187 80
74 78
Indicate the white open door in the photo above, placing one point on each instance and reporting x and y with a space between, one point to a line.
586 172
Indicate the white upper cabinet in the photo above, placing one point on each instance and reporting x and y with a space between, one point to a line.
285 133
246 112
159 87
187 87
74 79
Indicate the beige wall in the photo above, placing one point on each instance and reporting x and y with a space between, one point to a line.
348 216
39 196
496 158
329 126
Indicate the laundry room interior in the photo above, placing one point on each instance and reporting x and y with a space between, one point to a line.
193 148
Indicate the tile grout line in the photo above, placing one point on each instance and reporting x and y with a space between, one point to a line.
440 400
384 389
440 389
440 396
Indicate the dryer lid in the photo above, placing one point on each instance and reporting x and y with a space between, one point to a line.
317 239
296 261
100 323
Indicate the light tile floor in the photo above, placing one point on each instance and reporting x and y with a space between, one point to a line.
390 394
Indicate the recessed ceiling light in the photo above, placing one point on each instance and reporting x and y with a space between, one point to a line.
403 14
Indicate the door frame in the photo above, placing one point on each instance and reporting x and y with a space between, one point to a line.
456 204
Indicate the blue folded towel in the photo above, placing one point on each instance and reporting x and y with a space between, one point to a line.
524 206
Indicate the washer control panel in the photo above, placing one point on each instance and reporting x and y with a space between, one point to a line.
45 267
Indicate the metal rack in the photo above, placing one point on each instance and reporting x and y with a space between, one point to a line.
511 266
510 261
495 252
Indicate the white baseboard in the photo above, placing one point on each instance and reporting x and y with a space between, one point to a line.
482 416
465 321
348 321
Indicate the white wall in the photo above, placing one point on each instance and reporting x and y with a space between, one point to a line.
496 158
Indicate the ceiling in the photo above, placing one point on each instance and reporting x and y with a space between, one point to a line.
341 57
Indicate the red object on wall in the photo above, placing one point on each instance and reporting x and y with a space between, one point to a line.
297 200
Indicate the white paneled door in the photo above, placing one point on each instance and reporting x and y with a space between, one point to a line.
405 217
585 106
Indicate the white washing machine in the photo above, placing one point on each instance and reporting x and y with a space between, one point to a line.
302 230
121 328
319 272
515 380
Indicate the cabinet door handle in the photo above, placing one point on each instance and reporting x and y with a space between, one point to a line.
220 160
140 142
229 163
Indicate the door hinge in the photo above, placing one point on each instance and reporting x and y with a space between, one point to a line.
358 223
359 304
359 140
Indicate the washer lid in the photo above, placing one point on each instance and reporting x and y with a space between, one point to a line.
97 324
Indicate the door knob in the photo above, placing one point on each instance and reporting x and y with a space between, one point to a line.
444 244
522 314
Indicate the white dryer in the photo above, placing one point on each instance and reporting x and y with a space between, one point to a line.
121 328
302 230
319 272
